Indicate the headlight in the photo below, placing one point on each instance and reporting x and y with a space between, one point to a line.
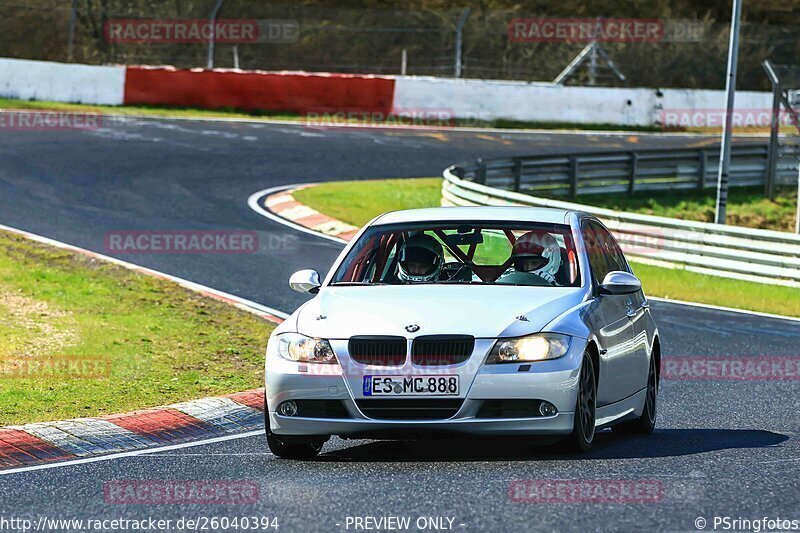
531 348
296 347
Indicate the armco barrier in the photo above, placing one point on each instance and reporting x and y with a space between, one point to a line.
743 253
277 91
626 171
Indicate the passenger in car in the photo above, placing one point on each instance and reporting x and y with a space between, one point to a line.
536 260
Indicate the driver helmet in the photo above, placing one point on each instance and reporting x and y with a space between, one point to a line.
537 252
421 259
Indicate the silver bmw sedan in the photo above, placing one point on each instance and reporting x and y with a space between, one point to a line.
478 320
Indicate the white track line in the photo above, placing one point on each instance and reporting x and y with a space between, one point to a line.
131 266
130 454
253 202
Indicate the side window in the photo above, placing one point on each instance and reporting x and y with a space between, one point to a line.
597 256
614 256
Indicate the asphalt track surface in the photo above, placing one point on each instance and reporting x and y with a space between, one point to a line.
722 448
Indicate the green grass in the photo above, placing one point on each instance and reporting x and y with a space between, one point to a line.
680 284
357 202
322 119
159 342
188 112
155 111
747 206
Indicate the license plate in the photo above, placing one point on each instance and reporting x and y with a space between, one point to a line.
411 386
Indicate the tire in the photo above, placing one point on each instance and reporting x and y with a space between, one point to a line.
291 447
647 422
583 430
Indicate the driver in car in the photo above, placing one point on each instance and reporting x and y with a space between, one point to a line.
536 260
421 259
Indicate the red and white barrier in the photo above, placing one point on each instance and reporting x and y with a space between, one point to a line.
301 92
296 92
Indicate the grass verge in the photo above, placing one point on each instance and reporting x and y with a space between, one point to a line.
81 337
747 206
321 120
318 120
357 202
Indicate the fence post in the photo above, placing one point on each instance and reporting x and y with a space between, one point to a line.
701 173
573 176
774 139
634 170
517 174
480 175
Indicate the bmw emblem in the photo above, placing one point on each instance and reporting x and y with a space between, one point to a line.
411 328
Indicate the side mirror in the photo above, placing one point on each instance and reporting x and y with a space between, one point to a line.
306 281
619 282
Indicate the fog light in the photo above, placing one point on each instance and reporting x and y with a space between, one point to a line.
547 409
287 408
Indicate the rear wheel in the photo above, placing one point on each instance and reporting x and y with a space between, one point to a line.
291 446
583 430
647 422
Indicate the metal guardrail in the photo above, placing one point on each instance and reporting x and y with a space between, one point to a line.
624 171
744 253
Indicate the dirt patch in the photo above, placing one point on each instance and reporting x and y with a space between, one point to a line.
40 337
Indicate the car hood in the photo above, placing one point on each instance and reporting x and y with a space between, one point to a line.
481 311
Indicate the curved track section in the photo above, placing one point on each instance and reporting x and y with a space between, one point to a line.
722 448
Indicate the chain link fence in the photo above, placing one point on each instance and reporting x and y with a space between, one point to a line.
518 43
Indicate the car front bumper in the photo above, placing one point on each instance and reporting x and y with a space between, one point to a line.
553 381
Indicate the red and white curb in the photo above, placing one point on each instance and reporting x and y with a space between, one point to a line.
285 206
197 420
206 418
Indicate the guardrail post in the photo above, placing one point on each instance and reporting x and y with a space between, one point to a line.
634 170
701 173
517 174
480 175
573 176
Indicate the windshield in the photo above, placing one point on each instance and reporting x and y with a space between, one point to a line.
526 254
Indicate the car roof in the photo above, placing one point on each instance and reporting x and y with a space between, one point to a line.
547 215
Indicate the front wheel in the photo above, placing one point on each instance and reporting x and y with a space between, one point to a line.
294 447
583 428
